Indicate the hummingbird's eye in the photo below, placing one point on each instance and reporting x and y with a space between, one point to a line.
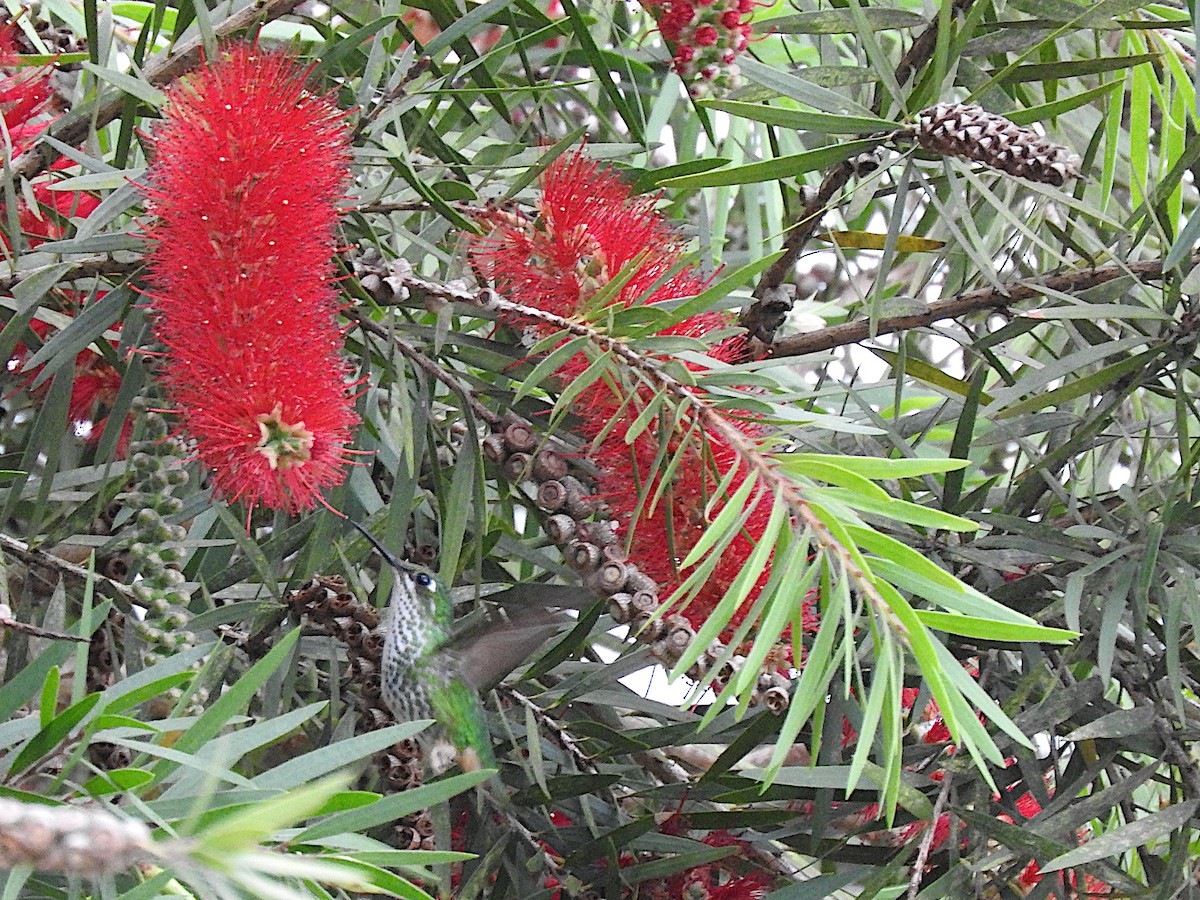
424 580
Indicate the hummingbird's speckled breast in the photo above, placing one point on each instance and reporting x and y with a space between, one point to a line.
413 633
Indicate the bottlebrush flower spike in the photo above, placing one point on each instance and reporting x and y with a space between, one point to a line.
589 229
248 169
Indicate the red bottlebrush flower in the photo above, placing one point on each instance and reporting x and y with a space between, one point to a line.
94 388
704 37
248 169
26 99
589 230
24 95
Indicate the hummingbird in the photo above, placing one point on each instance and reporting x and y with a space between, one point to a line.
430 673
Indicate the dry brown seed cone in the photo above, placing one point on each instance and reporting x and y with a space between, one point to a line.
90 843
957 129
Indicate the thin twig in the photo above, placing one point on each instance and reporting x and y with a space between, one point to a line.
419 66
7 621
37 557
563 737
918 870
168 66
424 363
84 268
962 304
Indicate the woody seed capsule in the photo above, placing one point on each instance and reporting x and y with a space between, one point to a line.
599 533
407 749
520 437
620 608
367 615
615 553
549 465
583 557
372 645
644 601
494 449
639 583
551 495
579 505
517 466
560 528
424 825
407 838
646 629
776 699
610 577
372 687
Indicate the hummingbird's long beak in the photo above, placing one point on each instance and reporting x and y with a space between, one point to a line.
392 560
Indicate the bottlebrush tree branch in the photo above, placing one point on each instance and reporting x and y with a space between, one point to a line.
767 313
963 304
168 66
92 267
711 420
7 621
124 596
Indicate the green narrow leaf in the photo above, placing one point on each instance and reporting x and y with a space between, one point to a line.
130 84
1137 833
52 734
396 806
774 169
824 123
991 630
236 697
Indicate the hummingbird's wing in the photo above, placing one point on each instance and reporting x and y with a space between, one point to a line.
486 656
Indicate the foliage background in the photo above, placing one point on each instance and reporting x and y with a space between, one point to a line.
1071 394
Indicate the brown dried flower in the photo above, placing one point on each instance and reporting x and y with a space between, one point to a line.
88 842
957 129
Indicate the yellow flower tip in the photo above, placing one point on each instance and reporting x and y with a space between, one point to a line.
284 445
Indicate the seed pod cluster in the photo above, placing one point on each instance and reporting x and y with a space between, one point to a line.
372 273
591 547
102 670
156 551
84 842
326 602
958 129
